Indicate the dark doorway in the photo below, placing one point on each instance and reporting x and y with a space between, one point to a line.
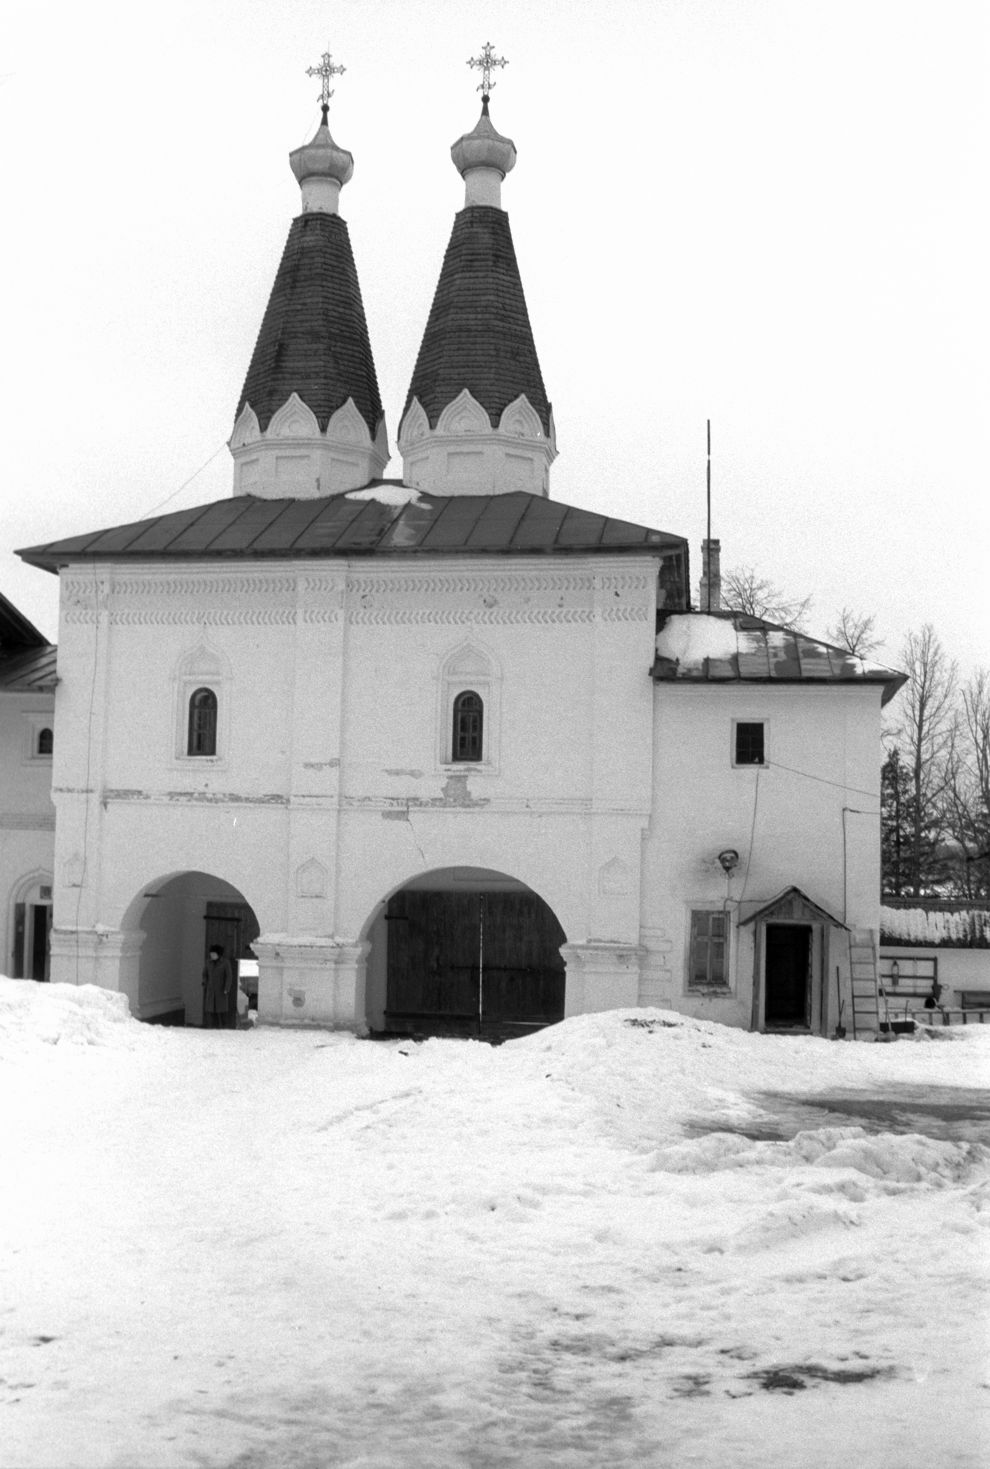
485 964
32 935
234 927
787 975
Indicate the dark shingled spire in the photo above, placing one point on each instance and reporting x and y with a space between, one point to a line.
314 336
478 334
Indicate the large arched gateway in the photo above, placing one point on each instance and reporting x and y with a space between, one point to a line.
464 951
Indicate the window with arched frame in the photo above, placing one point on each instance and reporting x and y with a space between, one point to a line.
46 742
202 735
467 741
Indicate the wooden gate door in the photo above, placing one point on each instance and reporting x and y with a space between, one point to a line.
472 963
523 971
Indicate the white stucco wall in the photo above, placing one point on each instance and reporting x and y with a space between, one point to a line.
332 785
610 796
957 969
27 816
785 820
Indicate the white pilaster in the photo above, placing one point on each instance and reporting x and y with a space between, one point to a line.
316 982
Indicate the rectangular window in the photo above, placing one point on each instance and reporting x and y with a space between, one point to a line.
708 961
749 742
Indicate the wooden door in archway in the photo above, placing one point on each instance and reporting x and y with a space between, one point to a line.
472 963
234 927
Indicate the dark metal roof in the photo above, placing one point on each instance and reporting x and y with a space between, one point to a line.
28 670
27 659
478 334
244 527
15 630
314 337
765 652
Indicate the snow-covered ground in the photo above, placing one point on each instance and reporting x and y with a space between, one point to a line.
600 1246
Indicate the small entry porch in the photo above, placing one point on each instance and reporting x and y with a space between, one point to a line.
795 942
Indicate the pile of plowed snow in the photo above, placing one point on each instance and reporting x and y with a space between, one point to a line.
55 1014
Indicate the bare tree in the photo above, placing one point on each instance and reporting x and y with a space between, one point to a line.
969 789
856 632
925 737
744 590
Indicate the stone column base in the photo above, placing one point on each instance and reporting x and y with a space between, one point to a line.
601 976
311 982
107 957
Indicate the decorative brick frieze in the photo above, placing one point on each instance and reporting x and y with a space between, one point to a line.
459 616
181 616
457 599
279 600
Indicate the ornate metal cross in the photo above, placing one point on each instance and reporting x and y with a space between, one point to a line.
486 61
326 70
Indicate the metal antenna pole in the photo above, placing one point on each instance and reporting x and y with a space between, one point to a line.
708 563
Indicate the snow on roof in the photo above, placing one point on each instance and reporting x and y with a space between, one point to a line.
726 645
691 637
394 496
966 929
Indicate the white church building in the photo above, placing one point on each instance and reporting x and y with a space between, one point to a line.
444 754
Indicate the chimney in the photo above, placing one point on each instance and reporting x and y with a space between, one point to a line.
710 586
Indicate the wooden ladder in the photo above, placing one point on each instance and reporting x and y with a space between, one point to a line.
865 989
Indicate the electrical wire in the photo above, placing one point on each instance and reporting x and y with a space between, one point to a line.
822 780
169 498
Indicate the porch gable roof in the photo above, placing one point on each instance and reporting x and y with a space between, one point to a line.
795 906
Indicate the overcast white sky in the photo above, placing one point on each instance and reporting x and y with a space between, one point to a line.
767 212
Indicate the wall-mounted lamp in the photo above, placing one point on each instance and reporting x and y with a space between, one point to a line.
728 860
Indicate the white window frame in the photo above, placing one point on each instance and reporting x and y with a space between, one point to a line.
201 669
34 723
468 668
726 987
750 764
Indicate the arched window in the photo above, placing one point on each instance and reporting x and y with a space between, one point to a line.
469 714
46 742
202 723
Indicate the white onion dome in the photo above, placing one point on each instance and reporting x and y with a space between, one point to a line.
322 159
484 147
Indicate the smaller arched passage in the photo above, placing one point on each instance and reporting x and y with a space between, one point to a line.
464 951
178 918
29 927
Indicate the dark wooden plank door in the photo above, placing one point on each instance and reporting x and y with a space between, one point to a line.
523 973
470 963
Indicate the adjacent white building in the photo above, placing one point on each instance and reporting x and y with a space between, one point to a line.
445 754
27 816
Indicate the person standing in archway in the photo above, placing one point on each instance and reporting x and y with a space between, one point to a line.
218 984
